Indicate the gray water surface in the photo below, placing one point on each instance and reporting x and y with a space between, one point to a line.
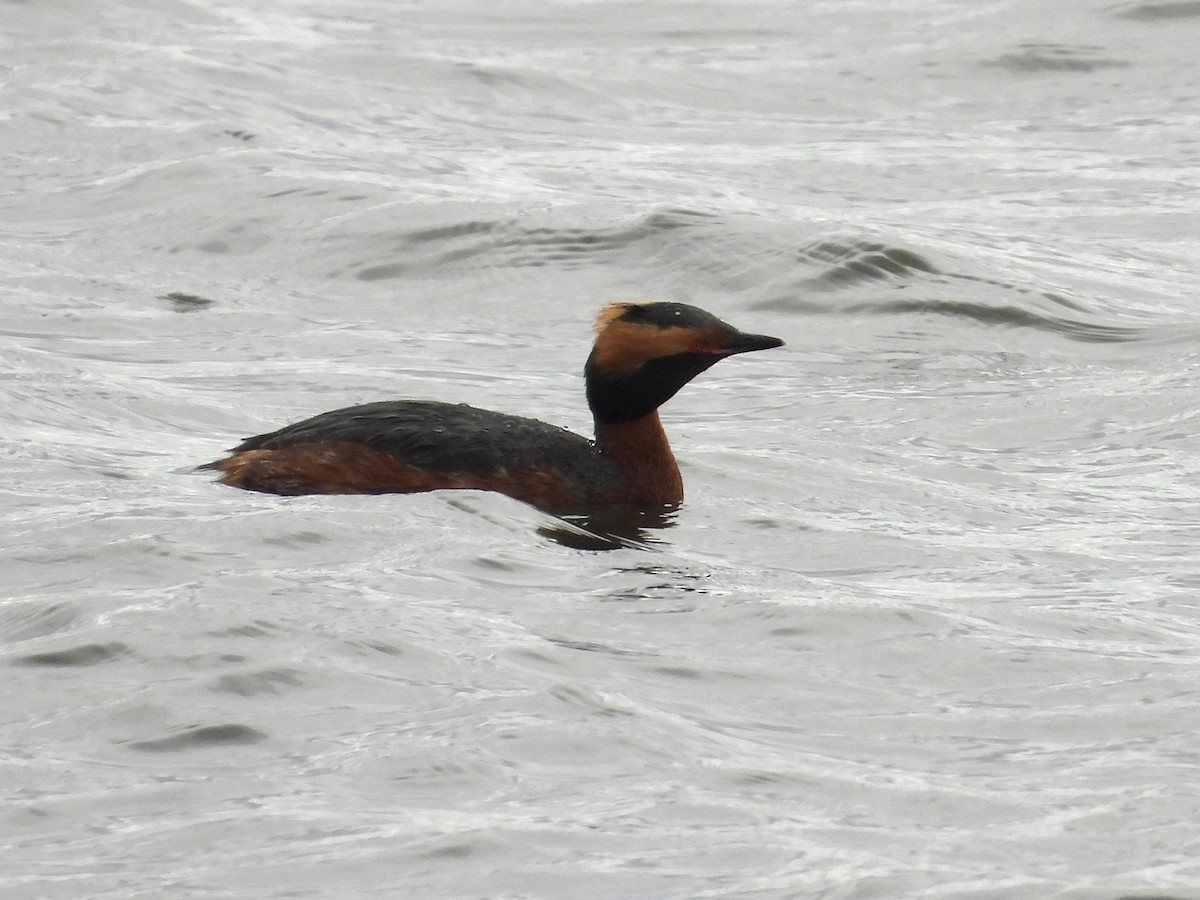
927 624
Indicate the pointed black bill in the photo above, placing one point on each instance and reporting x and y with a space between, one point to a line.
740 342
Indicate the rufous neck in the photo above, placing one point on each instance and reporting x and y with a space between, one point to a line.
639 448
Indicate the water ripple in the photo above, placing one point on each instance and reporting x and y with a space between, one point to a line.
1159 12
199 737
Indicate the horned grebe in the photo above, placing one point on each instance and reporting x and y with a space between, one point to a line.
644 353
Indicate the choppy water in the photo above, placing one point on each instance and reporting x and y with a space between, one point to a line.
927 625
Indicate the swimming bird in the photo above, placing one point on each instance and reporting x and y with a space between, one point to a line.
643 354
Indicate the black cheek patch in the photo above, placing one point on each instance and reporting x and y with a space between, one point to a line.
627 396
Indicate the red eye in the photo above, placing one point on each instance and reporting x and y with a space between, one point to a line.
696 347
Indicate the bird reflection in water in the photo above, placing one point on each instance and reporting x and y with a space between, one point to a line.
612 527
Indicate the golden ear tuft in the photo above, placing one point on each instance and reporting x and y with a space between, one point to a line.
609 314
615 310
